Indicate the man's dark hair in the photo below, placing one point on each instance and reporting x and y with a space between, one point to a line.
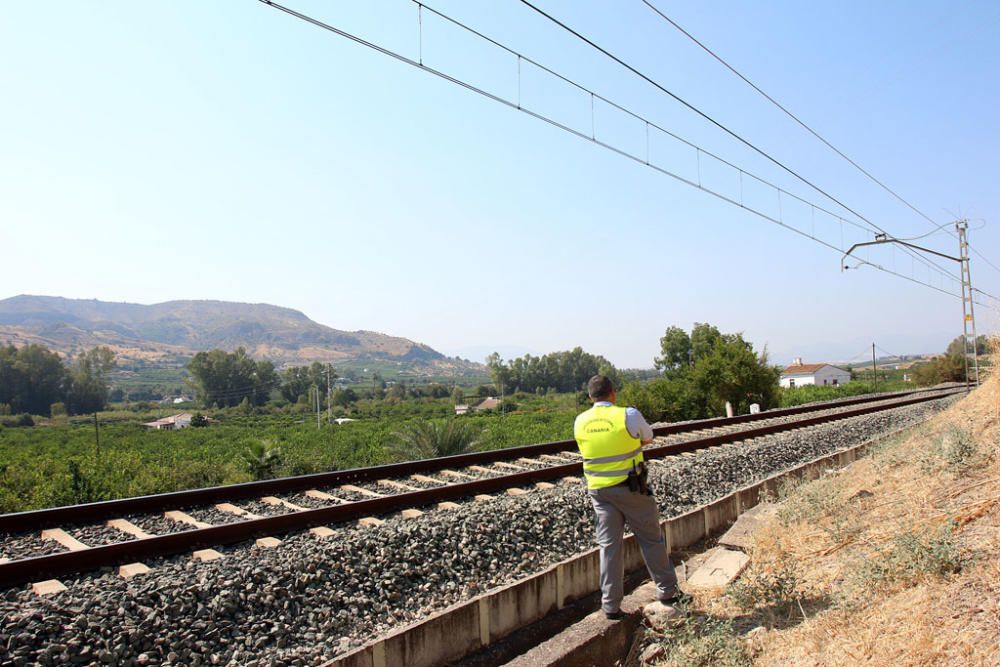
599 387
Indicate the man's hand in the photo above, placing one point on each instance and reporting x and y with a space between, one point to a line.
646 442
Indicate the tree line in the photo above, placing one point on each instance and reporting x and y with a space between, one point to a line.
566 371
35 380
950 367
227 379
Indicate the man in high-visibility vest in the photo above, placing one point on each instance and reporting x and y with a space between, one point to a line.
610 440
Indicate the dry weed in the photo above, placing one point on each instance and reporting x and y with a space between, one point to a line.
894 560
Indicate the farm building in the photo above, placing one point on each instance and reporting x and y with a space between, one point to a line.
800 374
490 403
171 423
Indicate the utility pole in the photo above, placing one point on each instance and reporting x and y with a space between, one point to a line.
874 368
968 315
97 437
314 397
329 405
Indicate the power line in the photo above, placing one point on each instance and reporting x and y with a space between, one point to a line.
816 134
983 257
718 124
786 111
888 353
519 106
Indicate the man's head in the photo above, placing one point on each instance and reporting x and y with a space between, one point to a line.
600 389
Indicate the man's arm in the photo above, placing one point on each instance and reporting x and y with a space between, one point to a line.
637 426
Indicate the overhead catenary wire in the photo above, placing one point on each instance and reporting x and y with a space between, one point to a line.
937 227
719 125
890 354
519 106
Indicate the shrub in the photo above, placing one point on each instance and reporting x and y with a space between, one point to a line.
776 585
958 448
425 439
704 642
262 459
908 559
23 419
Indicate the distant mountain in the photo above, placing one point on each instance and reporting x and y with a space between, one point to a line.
183 328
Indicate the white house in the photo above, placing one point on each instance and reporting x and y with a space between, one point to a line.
171 423
799 374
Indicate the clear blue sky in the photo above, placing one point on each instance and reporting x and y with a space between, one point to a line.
152 151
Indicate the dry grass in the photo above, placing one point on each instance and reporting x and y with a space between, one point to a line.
892 561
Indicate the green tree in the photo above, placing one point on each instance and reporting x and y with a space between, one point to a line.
725 368
378 386
434 438
344 397
32 378
226 379
732 372
89 385
704 338
675 350
499 372
295 382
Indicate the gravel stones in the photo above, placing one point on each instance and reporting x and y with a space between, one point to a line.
346 494
260 508
157 524
28 545
302 500
310 598
98 535
213 516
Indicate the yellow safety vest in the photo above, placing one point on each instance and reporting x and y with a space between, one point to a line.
609 451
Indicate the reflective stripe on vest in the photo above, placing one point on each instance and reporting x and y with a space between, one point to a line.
609 450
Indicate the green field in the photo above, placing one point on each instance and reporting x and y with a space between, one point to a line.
59 461
51 465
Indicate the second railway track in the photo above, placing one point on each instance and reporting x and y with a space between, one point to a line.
202 518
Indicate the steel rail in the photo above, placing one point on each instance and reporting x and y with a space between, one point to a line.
111 509
32 569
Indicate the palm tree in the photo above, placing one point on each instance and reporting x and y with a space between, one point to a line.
434 438
262 459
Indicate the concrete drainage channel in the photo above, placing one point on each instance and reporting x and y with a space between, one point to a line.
474 626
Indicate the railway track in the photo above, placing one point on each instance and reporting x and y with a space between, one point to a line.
148 527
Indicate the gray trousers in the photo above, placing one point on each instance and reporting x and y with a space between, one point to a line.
614 506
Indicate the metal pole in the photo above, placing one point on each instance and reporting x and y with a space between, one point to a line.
968 311
968 315
329 405
874 368
967 284
97 437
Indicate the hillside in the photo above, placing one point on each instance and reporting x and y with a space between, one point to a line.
890 561
165 331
